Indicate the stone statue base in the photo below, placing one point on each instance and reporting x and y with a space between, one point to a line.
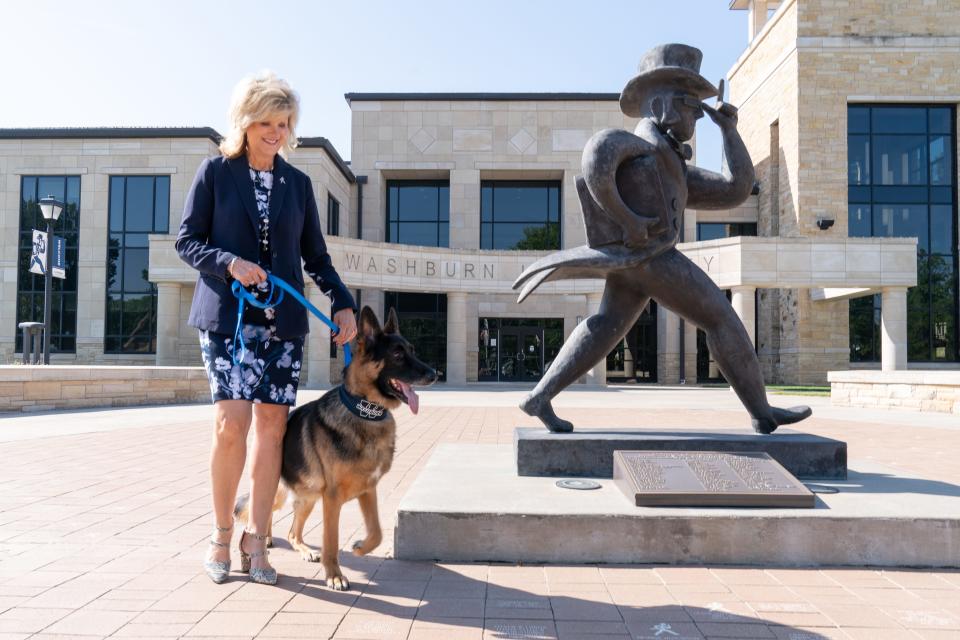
589 452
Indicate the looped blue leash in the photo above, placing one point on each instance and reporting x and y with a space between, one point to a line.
274 296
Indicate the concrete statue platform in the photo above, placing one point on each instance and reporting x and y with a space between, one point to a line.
589 452
469 504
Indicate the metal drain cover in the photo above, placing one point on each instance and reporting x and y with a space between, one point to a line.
578 484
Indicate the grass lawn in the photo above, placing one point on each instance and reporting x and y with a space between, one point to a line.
799 390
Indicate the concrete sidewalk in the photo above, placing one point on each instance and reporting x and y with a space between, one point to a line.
104 517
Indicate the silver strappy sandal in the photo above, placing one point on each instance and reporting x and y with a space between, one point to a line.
218 571
261 576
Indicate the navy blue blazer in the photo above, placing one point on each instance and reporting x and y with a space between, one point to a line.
220 222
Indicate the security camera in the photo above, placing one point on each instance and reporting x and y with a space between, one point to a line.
824 223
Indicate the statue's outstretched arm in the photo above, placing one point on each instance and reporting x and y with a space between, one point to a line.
710 190
602 156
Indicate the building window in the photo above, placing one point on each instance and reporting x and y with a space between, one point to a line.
519 215
333 216
423 322
418 212
717 230
139 205
900 176
63 313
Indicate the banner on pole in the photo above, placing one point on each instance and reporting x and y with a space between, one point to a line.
38 258
59 267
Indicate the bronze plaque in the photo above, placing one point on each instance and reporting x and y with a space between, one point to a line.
707 479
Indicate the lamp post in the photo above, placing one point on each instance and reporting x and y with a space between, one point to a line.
50 207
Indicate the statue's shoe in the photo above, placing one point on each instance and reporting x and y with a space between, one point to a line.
539 407
780 416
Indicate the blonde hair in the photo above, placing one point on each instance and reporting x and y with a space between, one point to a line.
256 98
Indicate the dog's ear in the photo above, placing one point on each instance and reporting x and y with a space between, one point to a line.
393 324
368 329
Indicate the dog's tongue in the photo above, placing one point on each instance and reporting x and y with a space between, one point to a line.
413 401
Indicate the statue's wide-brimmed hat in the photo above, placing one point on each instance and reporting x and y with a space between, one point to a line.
668 65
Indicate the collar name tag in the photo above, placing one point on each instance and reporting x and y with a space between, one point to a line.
361 407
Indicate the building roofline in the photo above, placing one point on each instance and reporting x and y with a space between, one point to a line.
110 132
492 97
326 145
208 133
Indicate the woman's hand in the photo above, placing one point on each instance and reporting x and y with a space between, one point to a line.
348 326
246 273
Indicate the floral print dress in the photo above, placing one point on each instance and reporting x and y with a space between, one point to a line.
269 371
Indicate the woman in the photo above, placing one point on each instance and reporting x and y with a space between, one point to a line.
249 213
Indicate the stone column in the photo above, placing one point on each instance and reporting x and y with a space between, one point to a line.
168 323
598 375
456 337
464 208
893 329
744 301
317 348
668 346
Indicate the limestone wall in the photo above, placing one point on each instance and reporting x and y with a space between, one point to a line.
327 180
43 388
917 390
878 17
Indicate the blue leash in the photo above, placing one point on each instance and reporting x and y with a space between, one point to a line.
277 289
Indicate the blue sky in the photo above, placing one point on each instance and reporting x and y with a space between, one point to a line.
173 63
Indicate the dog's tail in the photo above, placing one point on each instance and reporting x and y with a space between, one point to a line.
241 510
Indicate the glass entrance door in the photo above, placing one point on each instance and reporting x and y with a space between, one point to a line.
635 358
521 354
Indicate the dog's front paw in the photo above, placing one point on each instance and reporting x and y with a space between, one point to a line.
338 582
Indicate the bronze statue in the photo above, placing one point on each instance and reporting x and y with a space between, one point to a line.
634 189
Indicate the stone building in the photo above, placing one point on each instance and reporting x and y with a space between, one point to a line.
849 110
447 196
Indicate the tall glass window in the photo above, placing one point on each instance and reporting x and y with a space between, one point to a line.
901 183
717 230
139 205
333 216
418 212
63 315
423 321
522 215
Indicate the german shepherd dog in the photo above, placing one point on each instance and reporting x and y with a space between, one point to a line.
337 447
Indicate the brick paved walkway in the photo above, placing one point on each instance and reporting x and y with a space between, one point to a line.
104 517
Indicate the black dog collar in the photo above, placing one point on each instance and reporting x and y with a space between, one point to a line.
361 407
